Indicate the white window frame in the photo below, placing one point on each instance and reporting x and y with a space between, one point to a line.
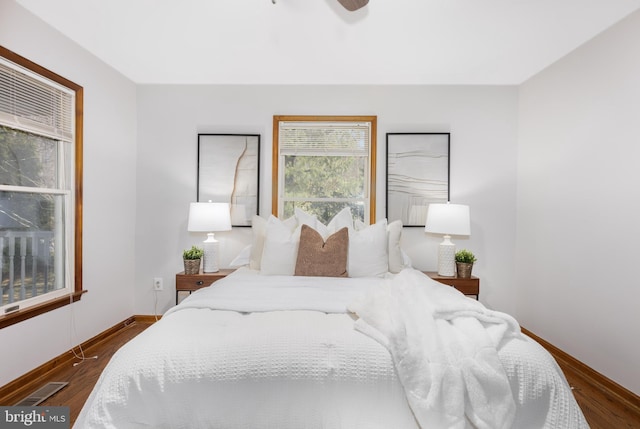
60 121
279 153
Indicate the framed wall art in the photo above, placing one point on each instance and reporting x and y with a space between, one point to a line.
229 171
417 175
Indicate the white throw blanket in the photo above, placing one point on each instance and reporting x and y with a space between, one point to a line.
445 349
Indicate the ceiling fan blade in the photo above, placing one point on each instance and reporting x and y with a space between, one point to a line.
352 5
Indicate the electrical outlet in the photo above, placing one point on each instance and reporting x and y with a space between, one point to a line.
157 283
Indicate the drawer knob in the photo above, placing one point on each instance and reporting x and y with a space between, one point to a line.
199 282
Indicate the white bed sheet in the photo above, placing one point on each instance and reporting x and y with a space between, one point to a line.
257 352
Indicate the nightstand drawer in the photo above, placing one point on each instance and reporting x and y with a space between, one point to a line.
466 286
194 281
187 283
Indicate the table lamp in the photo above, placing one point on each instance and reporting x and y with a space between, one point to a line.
209 217
448 219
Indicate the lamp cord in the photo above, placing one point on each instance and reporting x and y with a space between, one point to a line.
155 305
73 332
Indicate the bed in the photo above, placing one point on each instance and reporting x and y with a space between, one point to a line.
266 348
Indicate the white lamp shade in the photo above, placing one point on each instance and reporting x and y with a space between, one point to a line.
209 217
448 219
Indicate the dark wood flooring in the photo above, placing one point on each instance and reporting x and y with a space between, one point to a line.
83 376
601 409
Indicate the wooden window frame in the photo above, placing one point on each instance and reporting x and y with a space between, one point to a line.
54 303
314 118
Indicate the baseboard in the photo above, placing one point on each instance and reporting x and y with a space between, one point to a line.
146 318
17 389
590 375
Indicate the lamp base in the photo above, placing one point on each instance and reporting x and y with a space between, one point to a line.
210 257
447 258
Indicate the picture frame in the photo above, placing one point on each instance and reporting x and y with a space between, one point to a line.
229 172
417 175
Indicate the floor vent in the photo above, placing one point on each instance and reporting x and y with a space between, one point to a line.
41 394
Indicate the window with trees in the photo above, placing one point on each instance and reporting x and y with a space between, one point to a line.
322 164
40 189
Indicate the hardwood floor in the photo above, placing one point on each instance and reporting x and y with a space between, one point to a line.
604 403
601 409
83 376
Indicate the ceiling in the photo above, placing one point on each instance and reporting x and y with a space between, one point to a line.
319 42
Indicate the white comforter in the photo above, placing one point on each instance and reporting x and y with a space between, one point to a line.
277 352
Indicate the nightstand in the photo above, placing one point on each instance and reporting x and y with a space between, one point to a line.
187 283
466 286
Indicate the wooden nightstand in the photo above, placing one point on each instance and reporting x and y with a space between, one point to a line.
466 286
187 283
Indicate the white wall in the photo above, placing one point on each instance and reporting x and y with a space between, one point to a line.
482 122
578 204
109 197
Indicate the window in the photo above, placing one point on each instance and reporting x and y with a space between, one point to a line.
322 164
40 189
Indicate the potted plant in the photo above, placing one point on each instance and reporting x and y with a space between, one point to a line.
191 258
464 263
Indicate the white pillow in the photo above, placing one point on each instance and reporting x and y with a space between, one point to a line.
243 258
280 248
304 218
398 259
406 260
339 221
359 225
259 230
368 249
394 234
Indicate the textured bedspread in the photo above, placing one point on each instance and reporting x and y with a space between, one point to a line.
268 367
222 369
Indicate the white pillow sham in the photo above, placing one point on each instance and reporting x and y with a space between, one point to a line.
339 221
243 258
280 248
259 230
368 250
396 259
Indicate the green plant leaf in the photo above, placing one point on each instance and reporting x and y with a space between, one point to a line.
193 253
465 256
